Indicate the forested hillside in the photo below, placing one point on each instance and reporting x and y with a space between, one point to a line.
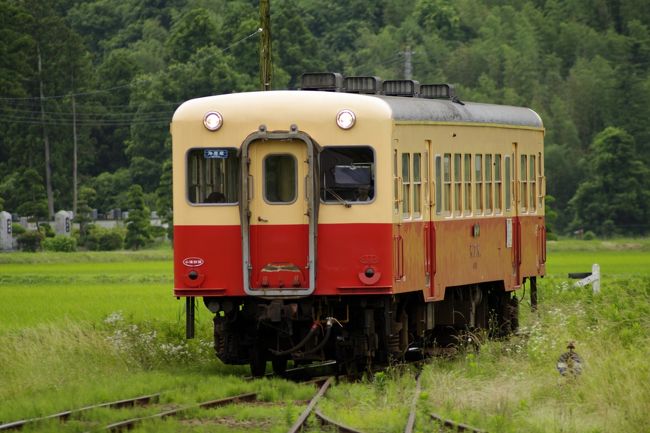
88 88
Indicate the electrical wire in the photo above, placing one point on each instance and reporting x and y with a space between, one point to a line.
132 83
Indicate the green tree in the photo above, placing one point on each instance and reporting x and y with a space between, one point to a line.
30 189
87 196
138 223
195 29
615 198
164 198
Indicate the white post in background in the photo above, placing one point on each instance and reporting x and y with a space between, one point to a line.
6 240
63 223
593 279
595 272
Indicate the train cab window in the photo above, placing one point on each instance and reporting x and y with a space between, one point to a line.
446 199
406 185
532 184
347 174
280 179
478 178
467 170
508 182
438 169
498 184
417 185
488 183
523 193
458 185
213 176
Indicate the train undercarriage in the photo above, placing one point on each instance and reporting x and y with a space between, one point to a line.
357 332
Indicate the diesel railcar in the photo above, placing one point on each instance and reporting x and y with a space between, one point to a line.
354 219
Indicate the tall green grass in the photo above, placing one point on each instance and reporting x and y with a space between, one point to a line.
82 328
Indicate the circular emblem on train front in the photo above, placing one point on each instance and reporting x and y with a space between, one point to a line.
193 262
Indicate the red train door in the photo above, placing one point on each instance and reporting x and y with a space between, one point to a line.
279 227
278 216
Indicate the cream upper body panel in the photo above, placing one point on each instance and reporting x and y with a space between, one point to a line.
313 113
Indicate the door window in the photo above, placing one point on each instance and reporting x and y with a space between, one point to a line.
280 178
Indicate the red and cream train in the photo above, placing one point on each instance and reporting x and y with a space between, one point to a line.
355 218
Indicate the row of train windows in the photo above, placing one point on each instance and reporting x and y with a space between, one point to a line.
347 175
467 183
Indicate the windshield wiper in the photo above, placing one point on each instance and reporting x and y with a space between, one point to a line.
338 197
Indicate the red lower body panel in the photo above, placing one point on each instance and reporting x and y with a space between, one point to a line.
344 253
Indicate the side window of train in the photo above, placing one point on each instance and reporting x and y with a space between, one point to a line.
478 177
212 176
488 183
532 184
458 186
523 194
417 185
446 198
498 184
438 170
347 174
280 178
467 169
508 182
406 185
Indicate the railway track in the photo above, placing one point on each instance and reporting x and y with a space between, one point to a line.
165 412
192 412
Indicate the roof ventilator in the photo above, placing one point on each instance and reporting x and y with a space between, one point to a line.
410 88
437 91
324 81
363 84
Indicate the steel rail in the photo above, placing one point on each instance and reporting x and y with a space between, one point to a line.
302 419
65 415
130 423
456 426
410 423
341 428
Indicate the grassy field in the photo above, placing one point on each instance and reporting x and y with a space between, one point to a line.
81 328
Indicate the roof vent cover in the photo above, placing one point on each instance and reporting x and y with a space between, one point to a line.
327 81
437 91
367 85
401 88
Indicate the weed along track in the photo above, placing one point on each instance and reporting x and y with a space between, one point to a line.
144 400
137 412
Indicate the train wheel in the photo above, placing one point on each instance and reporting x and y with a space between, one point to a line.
279 365
257 363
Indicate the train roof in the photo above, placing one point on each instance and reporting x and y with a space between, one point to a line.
442 110
398 108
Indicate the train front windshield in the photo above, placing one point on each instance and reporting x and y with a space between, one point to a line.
213 176
347 173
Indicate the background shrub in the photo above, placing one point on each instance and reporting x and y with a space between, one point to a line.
30 241
47 230
111 240
60 243
103 239
17 229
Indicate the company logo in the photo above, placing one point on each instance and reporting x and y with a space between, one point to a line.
193 262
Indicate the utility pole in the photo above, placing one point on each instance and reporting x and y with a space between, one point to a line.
408 62
74 152
265 44
46 141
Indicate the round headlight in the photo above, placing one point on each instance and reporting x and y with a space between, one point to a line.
345 119
212 120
